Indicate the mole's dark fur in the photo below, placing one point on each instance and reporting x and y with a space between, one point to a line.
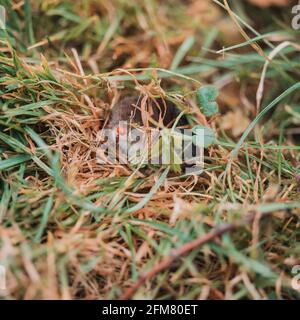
129 109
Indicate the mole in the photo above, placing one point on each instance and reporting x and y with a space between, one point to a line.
156 112
132 122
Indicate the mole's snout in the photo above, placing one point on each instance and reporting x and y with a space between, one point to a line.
121 130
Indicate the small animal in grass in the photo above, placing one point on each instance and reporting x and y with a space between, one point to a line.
131 113
156 112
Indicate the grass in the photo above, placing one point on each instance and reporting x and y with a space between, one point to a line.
73 229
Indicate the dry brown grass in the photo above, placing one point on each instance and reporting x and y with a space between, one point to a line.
70 228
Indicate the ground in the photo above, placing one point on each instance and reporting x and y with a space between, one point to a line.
72 228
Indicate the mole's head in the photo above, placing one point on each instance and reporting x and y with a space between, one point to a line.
127 111
129 114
